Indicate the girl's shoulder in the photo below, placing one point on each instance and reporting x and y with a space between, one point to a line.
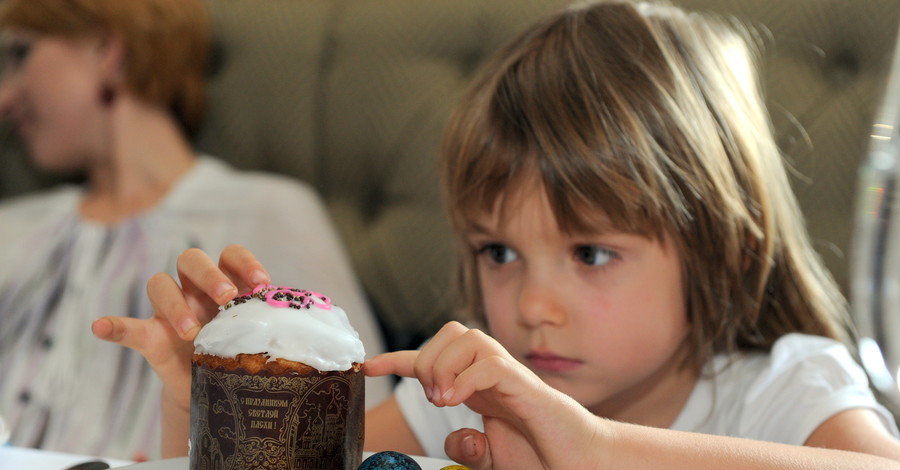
796 352
792 354
782 395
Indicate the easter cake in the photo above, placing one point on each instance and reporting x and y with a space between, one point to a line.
277 384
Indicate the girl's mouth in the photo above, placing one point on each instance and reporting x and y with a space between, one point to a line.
549 362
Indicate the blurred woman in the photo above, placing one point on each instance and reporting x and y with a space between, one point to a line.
113 89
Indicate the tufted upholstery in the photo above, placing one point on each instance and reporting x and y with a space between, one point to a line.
351 96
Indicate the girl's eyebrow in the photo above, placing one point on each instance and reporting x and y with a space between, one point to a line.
476 229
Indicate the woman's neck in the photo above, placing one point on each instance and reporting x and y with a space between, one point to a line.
145 155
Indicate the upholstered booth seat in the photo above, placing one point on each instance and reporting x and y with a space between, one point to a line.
352 95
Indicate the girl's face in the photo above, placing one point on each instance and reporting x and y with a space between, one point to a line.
599 316
50 93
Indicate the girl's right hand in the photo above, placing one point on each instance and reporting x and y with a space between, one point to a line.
527 423
166 339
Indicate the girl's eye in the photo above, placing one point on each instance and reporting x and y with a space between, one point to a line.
498 253
594 255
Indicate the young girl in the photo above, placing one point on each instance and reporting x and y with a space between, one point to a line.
632 246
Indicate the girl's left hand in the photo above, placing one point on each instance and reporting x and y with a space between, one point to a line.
527 424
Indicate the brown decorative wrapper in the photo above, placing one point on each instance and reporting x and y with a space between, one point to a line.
289 420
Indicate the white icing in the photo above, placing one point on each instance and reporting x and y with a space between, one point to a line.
320 338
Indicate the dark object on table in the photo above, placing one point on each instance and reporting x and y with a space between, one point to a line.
92 465
389 460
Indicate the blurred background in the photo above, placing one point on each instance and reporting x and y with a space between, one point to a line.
351 96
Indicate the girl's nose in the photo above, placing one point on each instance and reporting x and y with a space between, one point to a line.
540 304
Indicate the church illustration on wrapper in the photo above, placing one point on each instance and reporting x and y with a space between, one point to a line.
326 425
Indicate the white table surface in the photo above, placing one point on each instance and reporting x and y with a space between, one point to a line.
182 464
20 458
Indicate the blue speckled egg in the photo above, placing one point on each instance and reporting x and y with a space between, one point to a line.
389 460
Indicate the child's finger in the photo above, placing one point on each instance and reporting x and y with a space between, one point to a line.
170 305
116 330
242 267
424 367
201 277
494 372
400 363
470 448
467 351
141 335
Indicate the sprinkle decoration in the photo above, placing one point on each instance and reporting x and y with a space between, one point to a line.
283 297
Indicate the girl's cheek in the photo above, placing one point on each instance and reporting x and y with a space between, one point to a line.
500 312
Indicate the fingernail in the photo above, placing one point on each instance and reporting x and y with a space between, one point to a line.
428 393
448 395
94 328
259 277
435 394
186 325
224 289
468 446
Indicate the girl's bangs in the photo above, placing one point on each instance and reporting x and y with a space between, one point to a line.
589 193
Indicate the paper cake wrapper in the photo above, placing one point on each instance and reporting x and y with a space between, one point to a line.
275 421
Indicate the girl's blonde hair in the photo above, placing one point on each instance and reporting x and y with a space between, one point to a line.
654 117
167 43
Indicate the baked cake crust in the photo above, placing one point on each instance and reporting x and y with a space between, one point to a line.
263 364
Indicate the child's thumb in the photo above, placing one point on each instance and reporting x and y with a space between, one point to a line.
470 448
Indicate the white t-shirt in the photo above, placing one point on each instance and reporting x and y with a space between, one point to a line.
779 397
62 389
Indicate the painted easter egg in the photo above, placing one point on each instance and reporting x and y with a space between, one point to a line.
389 460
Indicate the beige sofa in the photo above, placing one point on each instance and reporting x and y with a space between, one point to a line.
351 96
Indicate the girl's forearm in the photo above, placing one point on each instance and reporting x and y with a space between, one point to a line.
176 428
636 447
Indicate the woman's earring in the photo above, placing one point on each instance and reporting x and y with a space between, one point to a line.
107 95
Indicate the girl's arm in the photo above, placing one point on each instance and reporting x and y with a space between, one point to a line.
387 429
166 339
528 424
640 447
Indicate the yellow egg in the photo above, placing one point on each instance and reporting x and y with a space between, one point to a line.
456 467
